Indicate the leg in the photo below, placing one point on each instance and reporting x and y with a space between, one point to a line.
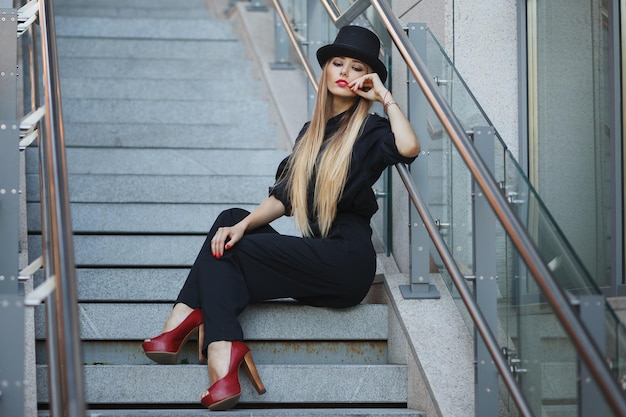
219 354
217 287
190 292
178 314
165 347
224 392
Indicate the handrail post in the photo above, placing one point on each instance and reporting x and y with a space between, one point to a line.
485 279
419 286
12 313
591 311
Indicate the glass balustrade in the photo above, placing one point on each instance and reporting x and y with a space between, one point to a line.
543 357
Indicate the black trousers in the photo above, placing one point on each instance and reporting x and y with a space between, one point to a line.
336 272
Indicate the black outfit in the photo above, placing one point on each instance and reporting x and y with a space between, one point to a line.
335 271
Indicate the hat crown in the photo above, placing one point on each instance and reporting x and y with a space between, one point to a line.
359 38
355 42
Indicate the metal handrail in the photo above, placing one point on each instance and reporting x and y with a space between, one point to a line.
59 288
555 296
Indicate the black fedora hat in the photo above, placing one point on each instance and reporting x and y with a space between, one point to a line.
355 42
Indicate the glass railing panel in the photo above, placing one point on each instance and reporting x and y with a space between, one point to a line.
449 179
297 11
528 328
458 95
545 359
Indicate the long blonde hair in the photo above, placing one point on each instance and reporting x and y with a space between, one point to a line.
332 163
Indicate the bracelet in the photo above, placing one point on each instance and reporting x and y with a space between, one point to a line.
387 104
385 96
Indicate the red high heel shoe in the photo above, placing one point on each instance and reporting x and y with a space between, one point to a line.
225 392
165 347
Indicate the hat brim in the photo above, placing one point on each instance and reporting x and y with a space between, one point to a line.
332 50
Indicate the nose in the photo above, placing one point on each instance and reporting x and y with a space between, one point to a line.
344 70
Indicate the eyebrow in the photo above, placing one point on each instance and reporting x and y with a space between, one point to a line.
354 59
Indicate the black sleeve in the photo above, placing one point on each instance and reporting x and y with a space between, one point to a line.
279 189
386 143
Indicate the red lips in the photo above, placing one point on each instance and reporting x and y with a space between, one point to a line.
342 83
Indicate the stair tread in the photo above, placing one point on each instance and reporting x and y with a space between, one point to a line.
226 189
132 218
179 112
130 251
199 135
135 4
202 92
183 50
260 321
136 27
143 161
248 412
319 384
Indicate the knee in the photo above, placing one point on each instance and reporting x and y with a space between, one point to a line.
230 217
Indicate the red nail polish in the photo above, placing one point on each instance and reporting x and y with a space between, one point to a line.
227 247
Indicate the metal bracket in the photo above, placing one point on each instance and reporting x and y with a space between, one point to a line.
514 361
27 273
39 294
26 16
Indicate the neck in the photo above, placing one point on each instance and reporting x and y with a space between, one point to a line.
341 104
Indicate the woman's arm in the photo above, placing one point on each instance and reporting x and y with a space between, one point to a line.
226 237
406 141
370 87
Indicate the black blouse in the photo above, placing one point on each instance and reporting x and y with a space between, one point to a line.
373 151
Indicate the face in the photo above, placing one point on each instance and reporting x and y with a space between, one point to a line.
340 72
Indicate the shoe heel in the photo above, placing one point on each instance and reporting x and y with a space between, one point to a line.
201 358
253 373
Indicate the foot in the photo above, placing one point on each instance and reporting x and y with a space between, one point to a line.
219 359
177 316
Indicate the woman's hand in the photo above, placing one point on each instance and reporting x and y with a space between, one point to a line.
225 238
369 87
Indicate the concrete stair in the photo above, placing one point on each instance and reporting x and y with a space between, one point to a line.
166 126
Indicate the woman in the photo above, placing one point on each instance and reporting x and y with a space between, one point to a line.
325 184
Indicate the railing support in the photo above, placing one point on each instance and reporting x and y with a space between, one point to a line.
420 286
486 280
591 311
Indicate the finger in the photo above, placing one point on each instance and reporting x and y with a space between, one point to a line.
217 243
234 238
